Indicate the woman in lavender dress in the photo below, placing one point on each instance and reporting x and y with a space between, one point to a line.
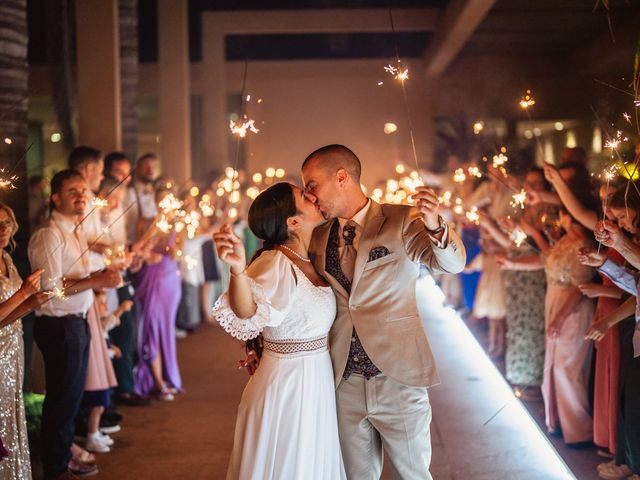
158 292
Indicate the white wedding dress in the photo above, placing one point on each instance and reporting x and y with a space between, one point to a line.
286 428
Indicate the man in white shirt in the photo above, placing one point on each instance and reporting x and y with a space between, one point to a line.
89 163
61 330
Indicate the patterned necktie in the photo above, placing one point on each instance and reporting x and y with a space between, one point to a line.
348 257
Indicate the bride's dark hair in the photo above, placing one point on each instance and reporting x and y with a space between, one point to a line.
268 216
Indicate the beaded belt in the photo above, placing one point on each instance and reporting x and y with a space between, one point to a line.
288 347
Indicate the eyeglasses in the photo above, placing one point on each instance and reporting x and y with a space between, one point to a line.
6 225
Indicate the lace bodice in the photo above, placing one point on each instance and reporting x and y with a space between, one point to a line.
289 306
562 265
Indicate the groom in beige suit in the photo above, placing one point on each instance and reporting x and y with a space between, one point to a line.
370 254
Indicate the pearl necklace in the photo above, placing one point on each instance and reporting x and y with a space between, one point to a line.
304 259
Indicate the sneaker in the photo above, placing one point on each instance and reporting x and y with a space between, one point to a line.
81 469
611 471
106 439
115 428
165 395
94 444
180 333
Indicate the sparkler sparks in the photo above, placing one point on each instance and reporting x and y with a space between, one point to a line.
57 292
190 262
614 143
473 216
518 199
627 117
399 73
169 203
98 202
241 129
478 127
527 101
518 236
500 159
459 176
7 182
474 172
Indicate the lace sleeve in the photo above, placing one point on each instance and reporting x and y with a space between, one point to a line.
244 328
272 289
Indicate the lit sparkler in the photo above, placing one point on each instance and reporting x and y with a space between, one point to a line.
518 199
57 292
627 117
614 143
459 176
98 202
398 73
527 101
500 159
473 216
474 172
518 236
478 127
241 128
7 181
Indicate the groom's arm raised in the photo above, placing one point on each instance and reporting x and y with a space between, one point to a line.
428 239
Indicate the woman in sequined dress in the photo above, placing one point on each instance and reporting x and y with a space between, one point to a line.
18 299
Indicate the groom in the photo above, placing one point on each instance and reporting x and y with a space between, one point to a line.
370 254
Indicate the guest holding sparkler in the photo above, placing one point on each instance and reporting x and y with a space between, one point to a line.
624 208
158 291
143 195
18 298
61 330
568 315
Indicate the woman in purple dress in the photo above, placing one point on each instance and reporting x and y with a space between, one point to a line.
158 293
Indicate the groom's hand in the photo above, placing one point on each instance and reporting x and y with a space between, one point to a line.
427 202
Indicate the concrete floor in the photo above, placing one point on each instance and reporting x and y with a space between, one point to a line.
480 430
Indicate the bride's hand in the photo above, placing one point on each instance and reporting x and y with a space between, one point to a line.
230 249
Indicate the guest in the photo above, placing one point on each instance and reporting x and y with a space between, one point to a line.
61 331
625 212
118 169
158 291
568 315
17 298
142 195
38 200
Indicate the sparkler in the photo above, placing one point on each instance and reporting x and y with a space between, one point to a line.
518 199
99 203
478 127
518 236
459 176
7 181
527 101
398 73
473 216
627 117
241 129
56 292
474 172
500 159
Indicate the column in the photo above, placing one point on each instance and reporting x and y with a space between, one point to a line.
98 51
215 122
174 89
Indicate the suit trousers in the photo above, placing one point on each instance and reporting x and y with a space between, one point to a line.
64 342
380 415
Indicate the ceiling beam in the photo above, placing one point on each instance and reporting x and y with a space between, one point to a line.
360 20
457 23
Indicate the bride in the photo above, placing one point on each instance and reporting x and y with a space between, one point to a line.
286 426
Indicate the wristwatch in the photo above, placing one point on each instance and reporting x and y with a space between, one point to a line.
441 226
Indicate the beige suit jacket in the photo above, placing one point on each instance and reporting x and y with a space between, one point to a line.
382 304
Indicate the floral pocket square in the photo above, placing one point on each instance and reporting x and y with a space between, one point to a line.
378 252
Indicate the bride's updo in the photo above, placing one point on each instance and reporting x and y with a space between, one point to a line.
269 212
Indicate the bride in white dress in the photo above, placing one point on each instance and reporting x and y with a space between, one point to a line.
286 428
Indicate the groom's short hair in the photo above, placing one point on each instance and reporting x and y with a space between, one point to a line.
333 157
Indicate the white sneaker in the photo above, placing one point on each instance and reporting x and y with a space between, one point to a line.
93 444
106 439
611 471
112 429
180 333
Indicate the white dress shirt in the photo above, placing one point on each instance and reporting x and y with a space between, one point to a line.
59 248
